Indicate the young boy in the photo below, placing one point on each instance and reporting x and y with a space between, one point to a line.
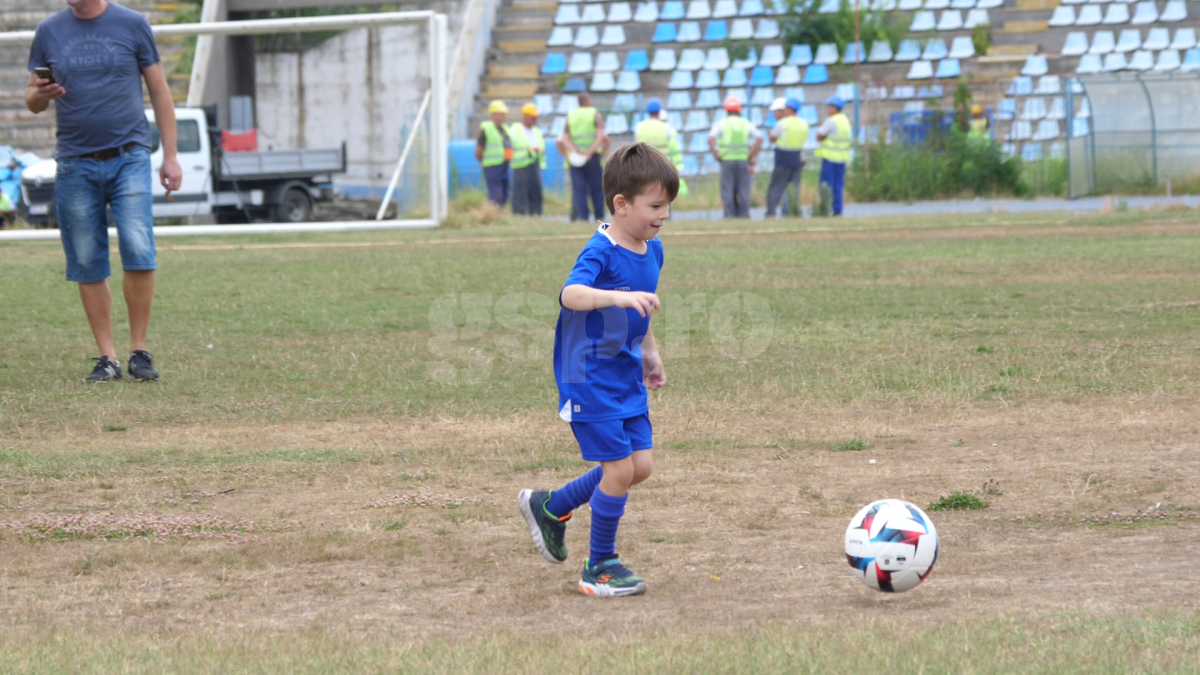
603 349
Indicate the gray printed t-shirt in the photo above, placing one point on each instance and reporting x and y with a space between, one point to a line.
99 63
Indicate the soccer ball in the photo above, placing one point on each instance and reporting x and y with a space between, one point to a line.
891 545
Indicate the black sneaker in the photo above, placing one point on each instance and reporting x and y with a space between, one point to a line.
609 578
106 370
141 366
548 530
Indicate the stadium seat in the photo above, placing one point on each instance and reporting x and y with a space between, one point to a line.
1146 12
592 14
607 62
672 10
626 103
691 59
620 12
1089 64
1075 2
587 37
1085 109
962 4
707 79
815 74
1035 66
739 92
808 113
1079 127
555 63
847 91
603 82
772 56
756 117
920 70
1185 39
948 68
1020 131
935 49
689 31
1157 39
884 5
560 36
567 14
787 75
1064 15
1076 44
1103 41
937 4
881 52
914 107
768 29
854 52
776 7
922 21
1032 152
829 6
556 127
725 9
566 104
1114 62
647 12
691 167
664 32
794 92
769 123
748 61
1020 86
616 124
717 59
696 120
716 31
1117 13
664 60
1142 60
708 99
1048 85
637 60
709 165
752 8
910 5
698 144
801 55
977 17
1057 150
1007 109
699 9
680 79
734 77
1089 15
762 76
989 4
963 47
1058 109
903 92
1047 130
762 96
827 54
581 62
910 50
614 36
544 102
1176 10
741 29
1034 108
628 81
1191 61
951 19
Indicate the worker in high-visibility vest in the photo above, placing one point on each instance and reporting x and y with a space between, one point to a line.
494 150
979 128
735 142
835 135
583 142
790 134
529 159
655 131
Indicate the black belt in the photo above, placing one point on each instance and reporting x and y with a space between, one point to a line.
109 153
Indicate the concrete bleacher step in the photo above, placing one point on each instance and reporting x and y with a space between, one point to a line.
513 71
1010 52
508 91
521 46
1034 5
1025 27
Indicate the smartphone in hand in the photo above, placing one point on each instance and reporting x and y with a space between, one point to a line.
45 73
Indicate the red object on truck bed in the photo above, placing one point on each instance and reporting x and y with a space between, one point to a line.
247 142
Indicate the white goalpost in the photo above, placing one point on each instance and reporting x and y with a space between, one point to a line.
434 106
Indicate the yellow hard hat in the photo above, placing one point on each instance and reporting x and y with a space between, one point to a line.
497 107
976 109
529 109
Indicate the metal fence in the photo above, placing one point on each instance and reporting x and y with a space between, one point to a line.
1133 133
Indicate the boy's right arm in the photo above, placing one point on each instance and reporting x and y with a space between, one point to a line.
585 298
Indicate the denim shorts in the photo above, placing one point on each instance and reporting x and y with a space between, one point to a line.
84 189
614 439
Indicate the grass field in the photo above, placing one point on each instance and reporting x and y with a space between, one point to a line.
325 479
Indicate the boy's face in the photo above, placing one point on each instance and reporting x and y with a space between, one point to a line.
644 215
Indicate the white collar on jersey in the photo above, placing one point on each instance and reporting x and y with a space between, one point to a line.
603 229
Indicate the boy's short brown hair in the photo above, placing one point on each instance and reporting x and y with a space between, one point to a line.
634 168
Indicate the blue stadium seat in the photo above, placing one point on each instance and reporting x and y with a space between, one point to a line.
772 56
554 64
575 85
699 9
935 49
1191 61
716 31
801 55
625 103
613 36
808 113
560 36
581 62
616 124
769 121
637 60
647 12
788 74
708 99
696 120
717 58
679 100
680 79
691 167
816 74
664 32
854 52
910 50
734 77
675 119
762 76
698 143
752 8
795 92
603 82
587 37
691 59
672 10
707 79
664 60
629 81
689 31
948 68
607 62
749 61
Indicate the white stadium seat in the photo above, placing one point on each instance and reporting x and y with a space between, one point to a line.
1114 62
1117 14
587 37
1048 85
937 4
1035 66
1089 64
718 59
1142 60
560 36
1058 108
963 47
1089 15
699 9
881 52
647 12
1157 39
691 59
1076 44
607 62
614 36
827 54
664 60
1130 41
725 9
566 14
952 19
977 17
1176 10
1168 60
772 56
592 14
1185 39
1064 15
923 21
1034 109
1146 12
920 70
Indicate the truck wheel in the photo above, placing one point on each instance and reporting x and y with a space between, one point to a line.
295 207
230 216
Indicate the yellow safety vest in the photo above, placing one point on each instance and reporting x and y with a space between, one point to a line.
494 152
979 130
656 133
795 134
836 147
734 142
528 146
581 127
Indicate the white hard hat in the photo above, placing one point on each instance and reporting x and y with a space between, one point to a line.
778 104
577 159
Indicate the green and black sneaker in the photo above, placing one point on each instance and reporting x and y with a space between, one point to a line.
609 578
549 531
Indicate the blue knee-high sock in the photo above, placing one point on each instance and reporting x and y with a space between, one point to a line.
606 515
574 494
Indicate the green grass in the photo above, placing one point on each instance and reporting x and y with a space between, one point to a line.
853 445
958 501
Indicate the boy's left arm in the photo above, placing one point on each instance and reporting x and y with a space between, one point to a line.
652 364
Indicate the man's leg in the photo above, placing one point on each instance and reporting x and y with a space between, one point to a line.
579 192
79 201
775 190
839 184
826 178
132 207
596 183
794 202
743 189
728 176
536 200
97 305
520 197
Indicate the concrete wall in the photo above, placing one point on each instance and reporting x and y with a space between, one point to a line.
361 87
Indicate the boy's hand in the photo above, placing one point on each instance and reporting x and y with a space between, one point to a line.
655 374
645 303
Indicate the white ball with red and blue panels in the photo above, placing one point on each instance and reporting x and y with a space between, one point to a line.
891 545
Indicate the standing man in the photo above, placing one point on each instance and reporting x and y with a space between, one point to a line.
529 159
655 131
675 152
835 136
790 134
98 54
735 142
979 130
584 138
494 150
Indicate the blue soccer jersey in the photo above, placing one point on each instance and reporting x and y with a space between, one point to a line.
598 354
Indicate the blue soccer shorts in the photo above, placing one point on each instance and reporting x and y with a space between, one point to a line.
615 439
